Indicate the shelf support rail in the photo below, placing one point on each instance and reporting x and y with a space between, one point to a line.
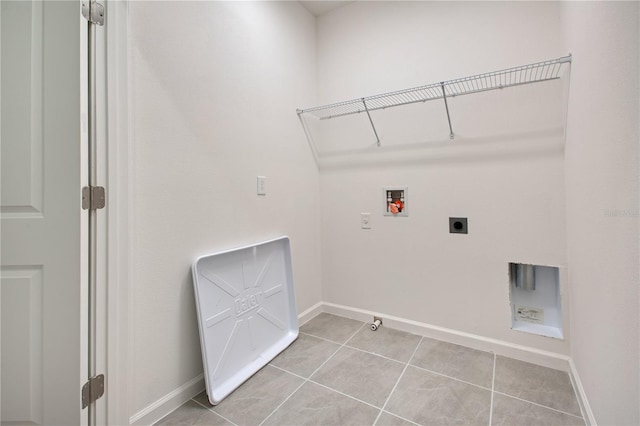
312 144
371 121
446 106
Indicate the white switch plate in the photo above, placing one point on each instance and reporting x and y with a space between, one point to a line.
262 185
365 220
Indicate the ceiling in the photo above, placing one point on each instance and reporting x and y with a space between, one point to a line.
320 7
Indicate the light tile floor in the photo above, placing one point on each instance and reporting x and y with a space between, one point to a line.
339 372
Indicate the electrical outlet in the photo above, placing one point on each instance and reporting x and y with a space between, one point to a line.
365 220
262 185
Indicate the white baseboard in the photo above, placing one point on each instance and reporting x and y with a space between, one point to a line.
168 403
585 408
310 313
500 347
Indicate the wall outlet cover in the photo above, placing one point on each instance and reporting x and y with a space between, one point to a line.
365 220
262 185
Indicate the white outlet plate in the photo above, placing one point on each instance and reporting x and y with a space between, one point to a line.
262 185
365 220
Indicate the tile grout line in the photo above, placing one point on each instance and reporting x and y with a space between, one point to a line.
323 338
539 405
282 403
344 394
493 386
400 417
398 381
327 387
289 372
358 349
209 409
314 372
402 362
367 403
449 377
373 353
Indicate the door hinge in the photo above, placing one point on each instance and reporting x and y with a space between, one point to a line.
93 197
93 11
92 390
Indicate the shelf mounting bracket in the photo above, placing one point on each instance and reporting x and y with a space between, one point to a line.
371 121
444 96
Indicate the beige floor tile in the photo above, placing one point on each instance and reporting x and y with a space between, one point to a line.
252 402
367 377
430 399
315 405
332 327
193 414
455 361
508 411
305 355
387 342
387 419
420 396
545 386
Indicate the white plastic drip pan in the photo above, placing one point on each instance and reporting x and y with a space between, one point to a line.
246 312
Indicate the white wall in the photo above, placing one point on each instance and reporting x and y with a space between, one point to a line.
215 86
504 171
602 204
214 89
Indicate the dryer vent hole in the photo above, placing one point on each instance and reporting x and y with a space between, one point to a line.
458 225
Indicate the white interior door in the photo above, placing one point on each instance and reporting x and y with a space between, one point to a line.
41 310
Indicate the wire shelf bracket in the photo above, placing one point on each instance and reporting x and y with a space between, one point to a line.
510 77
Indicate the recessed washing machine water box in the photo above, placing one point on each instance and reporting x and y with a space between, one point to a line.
535 298
395 201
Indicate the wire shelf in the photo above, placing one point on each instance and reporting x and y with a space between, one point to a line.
516 76
510 77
